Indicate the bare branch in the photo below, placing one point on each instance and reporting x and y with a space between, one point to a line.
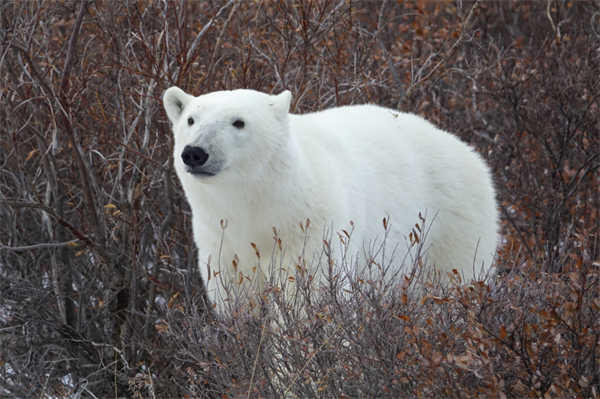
44 245
71 48
464 28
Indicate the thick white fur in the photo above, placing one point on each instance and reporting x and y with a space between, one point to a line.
356 163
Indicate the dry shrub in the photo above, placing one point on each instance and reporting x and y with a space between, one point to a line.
99 295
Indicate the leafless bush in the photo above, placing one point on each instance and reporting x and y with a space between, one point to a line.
99 294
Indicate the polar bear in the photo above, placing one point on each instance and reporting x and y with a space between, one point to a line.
249 168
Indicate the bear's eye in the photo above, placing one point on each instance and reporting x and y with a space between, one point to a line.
239 123
190 121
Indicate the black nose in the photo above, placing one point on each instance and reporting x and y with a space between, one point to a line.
194 156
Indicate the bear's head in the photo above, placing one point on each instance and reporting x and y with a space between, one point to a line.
226 133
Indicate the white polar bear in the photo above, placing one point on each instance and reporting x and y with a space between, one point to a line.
245 162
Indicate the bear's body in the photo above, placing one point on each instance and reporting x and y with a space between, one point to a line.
244 161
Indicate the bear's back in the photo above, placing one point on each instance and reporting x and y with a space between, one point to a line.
396 164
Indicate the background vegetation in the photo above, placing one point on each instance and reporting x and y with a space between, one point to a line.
99 293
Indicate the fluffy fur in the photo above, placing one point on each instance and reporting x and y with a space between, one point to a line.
268 168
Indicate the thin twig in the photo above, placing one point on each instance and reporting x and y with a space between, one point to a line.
52 213
519 232
204 29
555 27
83 167
312 355
71 48
262 337
450 52
42 245
212 62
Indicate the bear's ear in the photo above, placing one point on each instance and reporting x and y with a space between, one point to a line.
281 103
175 101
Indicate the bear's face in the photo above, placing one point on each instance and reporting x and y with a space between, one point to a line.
226 132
